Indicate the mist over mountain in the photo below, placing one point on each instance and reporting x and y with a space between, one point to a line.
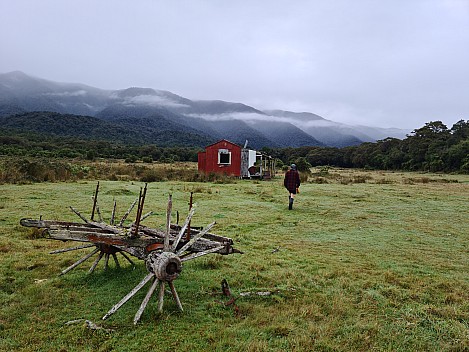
124 131
36 94
164 118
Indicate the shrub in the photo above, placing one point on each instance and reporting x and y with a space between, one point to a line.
303 165
131 159
152 176
319 180
323 171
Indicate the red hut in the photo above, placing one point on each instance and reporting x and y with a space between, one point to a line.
222 157
230 159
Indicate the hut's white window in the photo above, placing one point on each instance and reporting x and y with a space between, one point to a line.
224 157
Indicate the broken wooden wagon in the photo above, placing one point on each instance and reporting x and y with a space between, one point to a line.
164 251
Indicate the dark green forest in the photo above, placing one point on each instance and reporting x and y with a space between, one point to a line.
31 144
433 147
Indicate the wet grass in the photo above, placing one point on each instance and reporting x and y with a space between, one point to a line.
365 261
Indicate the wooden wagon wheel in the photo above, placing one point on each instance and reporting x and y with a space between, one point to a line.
165 265
102 250
163 251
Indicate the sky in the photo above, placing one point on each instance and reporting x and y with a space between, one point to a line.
386 63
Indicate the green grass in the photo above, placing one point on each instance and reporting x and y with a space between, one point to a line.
365 261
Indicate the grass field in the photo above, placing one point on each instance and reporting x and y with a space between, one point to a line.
365 261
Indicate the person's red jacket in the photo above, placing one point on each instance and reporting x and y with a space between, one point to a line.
292 180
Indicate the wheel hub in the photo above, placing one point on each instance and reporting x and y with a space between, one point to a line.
165 265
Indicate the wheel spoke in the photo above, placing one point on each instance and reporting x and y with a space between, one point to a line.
150 213
183 229
128 259
161 297
145 301
116 260
96 262
106 261
175 295
74 265
128 296
195 238
127 213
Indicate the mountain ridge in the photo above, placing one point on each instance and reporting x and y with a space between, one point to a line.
161 111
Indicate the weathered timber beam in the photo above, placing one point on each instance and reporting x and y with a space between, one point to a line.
64 234
199 254
48 223
210 236
154 232
71 249
91 226
139 253
109 228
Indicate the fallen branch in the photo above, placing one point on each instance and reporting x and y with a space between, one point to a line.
260 293
89 324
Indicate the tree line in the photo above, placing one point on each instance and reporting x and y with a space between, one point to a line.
433 147
35 145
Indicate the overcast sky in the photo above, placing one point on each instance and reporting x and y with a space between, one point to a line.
398 63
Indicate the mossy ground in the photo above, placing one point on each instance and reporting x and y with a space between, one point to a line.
364 261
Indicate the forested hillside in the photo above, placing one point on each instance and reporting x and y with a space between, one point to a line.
149 129
433 147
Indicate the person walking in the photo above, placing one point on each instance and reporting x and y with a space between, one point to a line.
292 184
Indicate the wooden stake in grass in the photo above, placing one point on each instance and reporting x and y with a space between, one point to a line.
113 215
141 202
168 223
95 200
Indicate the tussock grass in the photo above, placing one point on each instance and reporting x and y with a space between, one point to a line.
354 266
33 170
350 176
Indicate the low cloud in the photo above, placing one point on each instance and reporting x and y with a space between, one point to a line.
76 93
153 100
230 116
248 117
